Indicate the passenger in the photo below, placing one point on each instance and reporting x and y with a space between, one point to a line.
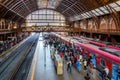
61 54
76 56
118 74
52 51
89 60
65 49
50 43
85 64
72 59
78 65
106 71
81 57
69 66
75 59
87 77
93 71
66 56
102 74
106 78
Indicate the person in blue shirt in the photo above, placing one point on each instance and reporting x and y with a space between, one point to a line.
78 65
118 74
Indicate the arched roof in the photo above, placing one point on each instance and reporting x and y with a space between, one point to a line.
18 9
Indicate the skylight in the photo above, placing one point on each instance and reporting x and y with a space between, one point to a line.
48 3
98 11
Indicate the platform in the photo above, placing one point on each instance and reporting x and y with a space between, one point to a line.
41 72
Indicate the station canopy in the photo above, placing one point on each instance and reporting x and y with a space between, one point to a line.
18 10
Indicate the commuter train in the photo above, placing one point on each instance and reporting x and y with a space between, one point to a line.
100 56
99 43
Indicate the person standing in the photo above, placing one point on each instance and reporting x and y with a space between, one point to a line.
78 65
106 71
85 64
69 66
61 54
81 57
87 77
118 74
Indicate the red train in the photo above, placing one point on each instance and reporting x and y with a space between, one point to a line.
100 44
100 57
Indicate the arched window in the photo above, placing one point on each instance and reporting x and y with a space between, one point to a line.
45 17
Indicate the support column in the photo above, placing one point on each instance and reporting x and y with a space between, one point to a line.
4 37
0 24
108 26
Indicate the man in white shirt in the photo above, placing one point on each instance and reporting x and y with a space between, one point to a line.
106 70
85 64
80 57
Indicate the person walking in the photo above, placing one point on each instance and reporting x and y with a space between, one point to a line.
78 65
119 74
85 64
106 71
69 66
80 57
87 77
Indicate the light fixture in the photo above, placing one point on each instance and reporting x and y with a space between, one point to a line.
15 27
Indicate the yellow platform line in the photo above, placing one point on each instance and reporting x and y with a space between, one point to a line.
33 69
34 64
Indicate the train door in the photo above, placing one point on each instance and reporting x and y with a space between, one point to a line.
93 60
115 72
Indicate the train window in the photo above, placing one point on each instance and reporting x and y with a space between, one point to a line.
102 62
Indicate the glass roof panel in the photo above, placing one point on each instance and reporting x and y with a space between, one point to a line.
100 11
105 11
113 5
118 2
91 13
117 8
46 16
102 8
48 3
97 10
42 3
88 14
85 15
96 13
53 3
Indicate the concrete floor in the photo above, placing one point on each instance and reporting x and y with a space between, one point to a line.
48 72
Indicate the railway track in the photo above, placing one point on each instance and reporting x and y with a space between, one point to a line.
10 65
23 70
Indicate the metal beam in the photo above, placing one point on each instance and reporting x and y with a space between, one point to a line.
69 7
12 10
26 6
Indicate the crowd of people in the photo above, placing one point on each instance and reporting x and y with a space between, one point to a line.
67 51
73 57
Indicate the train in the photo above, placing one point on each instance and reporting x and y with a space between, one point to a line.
100 56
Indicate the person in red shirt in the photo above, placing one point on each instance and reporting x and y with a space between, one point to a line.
76 56
61 54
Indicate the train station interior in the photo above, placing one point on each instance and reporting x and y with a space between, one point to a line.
59 39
